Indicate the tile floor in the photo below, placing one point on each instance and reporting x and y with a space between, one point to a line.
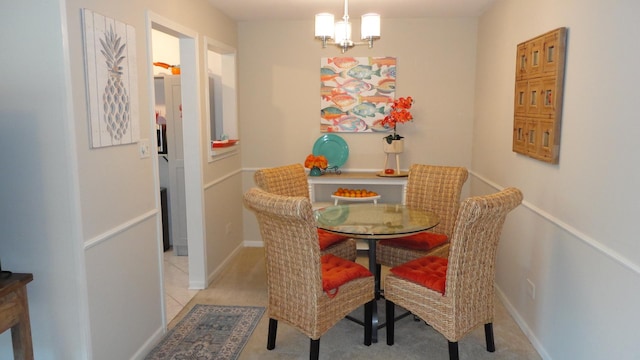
176 283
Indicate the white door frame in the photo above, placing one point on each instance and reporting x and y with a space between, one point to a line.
194 190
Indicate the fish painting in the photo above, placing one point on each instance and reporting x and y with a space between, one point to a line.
327 74
376 99
367 109
387 85
331 113
355 86
356 93
343 62
362 72
348 124
390 72
343 100
382 61
326 92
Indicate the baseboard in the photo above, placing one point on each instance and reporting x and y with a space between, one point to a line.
217 271
522 324
149 344
253 243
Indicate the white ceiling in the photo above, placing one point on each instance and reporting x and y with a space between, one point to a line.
243 10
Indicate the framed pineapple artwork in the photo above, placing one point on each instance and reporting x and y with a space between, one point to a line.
110 64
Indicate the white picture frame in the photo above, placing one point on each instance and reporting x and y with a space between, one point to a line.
111 75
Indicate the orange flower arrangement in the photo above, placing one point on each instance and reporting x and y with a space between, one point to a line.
316 161
399 114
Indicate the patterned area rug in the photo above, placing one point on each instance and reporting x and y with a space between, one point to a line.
209 332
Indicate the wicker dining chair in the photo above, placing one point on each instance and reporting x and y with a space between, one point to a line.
291 180
455 294
308 291
433 188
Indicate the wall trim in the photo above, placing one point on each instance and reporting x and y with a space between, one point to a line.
218 271
119 229
150 344
253 243
616 256
223 153
219 180
254 169
522 324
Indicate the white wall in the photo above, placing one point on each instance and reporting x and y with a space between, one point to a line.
41 229
85 221
575 237
280 95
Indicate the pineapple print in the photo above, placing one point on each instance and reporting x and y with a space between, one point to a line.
115 98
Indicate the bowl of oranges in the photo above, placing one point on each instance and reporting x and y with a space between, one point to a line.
355 195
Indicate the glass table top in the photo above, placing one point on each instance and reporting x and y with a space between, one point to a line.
374 221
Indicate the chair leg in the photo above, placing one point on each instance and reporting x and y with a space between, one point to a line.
368 322
488 334
391 320
453 350
271 338
315 350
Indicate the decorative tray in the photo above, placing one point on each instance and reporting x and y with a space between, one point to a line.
223 143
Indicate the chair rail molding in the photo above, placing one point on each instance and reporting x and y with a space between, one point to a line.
619 258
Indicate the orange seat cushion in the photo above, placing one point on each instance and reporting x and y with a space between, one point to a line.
429 271
420 241
337 271
327 239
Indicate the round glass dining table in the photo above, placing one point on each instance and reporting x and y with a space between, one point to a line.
373 222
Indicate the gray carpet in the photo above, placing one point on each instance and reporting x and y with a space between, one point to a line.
413 340
244 283
209 332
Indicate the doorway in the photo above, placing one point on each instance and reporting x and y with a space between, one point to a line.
191 149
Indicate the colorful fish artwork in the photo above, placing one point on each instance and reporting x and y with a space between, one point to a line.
356 93
328 74
343 62
363 72
390 72
343 100
332 113
376 99
387 85
348 124
367 109
383 61
355 86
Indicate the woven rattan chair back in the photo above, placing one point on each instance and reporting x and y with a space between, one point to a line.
433 188
468 299
437 189
291 180
473 249
287 180
292 252
293 266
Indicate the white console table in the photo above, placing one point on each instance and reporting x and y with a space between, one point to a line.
330 182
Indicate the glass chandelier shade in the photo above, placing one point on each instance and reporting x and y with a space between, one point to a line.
339 33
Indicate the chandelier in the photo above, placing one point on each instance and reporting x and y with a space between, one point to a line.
340 32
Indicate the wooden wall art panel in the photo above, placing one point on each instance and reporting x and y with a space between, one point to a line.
538 96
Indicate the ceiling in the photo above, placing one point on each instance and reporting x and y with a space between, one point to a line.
244 10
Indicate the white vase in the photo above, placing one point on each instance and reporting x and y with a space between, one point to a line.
396 146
